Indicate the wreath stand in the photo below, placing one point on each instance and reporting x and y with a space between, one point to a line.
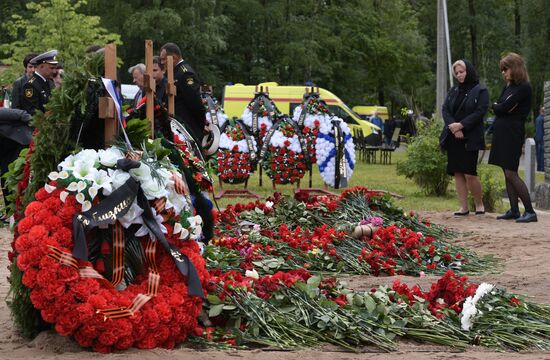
235 193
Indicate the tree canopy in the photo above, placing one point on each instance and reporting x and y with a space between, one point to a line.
365 51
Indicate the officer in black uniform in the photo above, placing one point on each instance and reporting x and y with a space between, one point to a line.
38 89
188 103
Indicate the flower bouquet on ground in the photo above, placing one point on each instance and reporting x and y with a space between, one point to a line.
309 116
296 309
286 234
236 157
284 153
107 251
490 316
335 153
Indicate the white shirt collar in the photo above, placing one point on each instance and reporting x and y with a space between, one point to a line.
43 78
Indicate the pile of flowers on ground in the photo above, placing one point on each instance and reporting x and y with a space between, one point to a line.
288 234
284 153
235 156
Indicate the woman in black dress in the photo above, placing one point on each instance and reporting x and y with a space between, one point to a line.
511 111
462 137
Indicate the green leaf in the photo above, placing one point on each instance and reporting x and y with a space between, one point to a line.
370 304
213 299
215 310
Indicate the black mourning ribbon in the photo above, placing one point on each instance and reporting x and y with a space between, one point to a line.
116 206
339 178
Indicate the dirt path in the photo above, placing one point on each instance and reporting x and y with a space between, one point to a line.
524 249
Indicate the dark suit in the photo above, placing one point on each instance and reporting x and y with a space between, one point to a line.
188 103
36 93
17 91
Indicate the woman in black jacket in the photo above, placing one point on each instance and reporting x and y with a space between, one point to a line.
462 136
511 111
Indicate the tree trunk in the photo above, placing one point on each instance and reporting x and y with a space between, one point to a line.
473 32
517 22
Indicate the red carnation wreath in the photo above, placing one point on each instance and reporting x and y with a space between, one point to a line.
76 304
235 157
283 159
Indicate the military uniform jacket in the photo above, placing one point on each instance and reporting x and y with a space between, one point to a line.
36 93
188 103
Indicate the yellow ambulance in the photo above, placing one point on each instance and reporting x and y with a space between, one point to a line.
236 97
366 112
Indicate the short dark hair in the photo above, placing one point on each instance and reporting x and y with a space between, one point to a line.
171 49
156 60
28 59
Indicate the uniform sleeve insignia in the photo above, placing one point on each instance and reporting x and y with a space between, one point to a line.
28 93
190 81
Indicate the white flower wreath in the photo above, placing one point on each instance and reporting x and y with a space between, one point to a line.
325 151
90 174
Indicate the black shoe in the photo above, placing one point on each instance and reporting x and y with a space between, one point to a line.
509 215
482 212
527 217
458 213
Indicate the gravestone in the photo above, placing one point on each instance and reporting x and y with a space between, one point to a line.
542 190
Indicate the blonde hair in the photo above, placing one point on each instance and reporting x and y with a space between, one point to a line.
458 63
517 66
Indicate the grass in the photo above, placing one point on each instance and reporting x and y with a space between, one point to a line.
373 176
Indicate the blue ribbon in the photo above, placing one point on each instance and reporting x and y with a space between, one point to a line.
332 152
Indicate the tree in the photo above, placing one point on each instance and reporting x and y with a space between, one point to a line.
51 24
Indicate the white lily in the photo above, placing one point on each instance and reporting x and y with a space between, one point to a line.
63 196
92 191
84 169
142 173
80 198
177 228
184 234
68 163
110 156
54 175
88 155
144 230
102 180
49 188
153 189
118 178
72 186
253 274
133 216
80 186
63 175
86 206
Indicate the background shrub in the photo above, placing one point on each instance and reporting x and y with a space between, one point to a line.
425 163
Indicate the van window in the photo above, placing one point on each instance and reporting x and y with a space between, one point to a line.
293 106
338 111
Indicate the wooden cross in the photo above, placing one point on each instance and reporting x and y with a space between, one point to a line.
149 86
107 110
170 86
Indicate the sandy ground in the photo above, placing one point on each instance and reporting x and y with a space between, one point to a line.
524 249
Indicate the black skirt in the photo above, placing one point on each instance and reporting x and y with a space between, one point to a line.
508 138
459 160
